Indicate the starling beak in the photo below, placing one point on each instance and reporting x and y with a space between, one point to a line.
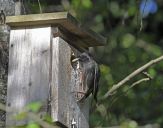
74 60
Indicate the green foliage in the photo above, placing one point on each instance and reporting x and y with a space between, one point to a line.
127 40
48 118
34 106
33 125
33 5
29 125
129 124
86 4
21 116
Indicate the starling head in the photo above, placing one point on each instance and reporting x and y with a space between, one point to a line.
84 57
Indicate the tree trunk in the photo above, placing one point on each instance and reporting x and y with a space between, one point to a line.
9 8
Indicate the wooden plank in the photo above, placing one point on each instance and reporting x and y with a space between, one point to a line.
28 75
65 108
63 19
60 79
70 38
18 9
78 112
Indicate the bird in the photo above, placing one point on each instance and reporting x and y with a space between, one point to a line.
2 17
90 74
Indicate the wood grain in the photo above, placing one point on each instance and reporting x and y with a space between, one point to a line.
64 104
39 67
28 76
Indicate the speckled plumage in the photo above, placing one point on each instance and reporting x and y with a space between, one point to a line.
91 74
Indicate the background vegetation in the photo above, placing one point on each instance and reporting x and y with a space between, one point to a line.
134 36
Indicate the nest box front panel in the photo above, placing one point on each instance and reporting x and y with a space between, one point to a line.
29 65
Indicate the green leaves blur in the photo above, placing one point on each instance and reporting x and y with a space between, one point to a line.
129 124
128 40
33 125
34 106
87 4
29 125
21 116
126 50
114 8
132 10
31 107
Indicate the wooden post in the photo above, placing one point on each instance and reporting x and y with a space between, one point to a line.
40 69
18 7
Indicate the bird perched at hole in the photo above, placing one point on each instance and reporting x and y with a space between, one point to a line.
91 74
2 17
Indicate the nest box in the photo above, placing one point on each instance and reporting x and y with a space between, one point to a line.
40 70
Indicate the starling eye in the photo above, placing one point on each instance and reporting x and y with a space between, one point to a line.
83 58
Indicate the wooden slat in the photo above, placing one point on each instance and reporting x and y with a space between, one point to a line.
60 80
63 19
64 105
28 76
70 38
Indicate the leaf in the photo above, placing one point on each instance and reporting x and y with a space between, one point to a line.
128 40
87 3
34 106
48 118
114 8
152 72
21 116
33 125
132 10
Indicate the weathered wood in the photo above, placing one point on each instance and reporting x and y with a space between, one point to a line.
69 38
29 65
61 75
64 19
40 63
78 112
18 8
64 107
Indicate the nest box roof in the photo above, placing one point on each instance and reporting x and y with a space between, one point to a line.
63 19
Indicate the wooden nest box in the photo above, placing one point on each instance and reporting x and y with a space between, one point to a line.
40 70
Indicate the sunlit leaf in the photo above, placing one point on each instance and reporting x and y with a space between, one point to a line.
87 3
128 40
